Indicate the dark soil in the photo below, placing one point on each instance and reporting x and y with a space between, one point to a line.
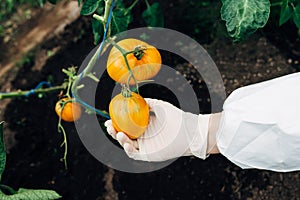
35 160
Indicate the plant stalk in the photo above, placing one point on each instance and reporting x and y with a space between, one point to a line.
124 53
91 64
131 6
276 4
27 92
108 4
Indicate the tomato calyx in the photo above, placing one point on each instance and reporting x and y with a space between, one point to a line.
138 52
126 92
63 102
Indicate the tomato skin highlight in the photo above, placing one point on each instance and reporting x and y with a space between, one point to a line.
129 114
71 110
142 68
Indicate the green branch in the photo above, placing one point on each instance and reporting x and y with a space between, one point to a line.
276 4
87 71
35 91
124 53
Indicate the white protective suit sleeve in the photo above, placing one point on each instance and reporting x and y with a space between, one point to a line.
260 125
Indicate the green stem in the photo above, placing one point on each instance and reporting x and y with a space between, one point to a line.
276 4
64 143
136 50
69 87
147 3
91 64
99 18
293 6
126 92
9 189
124 53
87 70
36 91
61 129
108 4
131 7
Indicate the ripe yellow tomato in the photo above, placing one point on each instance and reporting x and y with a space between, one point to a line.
145 63
129 114
71 111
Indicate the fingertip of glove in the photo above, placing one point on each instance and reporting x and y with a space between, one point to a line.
111 130
107 123
129 150
122 137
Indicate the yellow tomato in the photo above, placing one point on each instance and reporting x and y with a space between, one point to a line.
145 62
129 114
68 109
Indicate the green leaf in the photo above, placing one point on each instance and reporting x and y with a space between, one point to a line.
2 151
121 18
244 17
153 16
296 16
97 30
28 194
41 3
89 7
285 13
10 5
100 8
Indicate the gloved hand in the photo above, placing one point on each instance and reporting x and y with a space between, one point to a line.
171 133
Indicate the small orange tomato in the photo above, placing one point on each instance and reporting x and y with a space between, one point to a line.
144 62
129 114
68 109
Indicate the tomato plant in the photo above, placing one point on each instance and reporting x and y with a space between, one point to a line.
130 114
122 17
68 109
130 62
143 60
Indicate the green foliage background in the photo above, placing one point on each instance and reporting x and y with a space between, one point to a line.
242 18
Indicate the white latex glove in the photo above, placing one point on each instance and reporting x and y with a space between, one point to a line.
171 133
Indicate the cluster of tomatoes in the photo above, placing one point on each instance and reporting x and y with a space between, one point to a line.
128 110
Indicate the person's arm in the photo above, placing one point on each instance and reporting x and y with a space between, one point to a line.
258 128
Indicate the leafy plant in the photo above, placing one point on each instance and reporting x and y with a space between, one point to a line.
244 17
7 193
290 10
121 16
153 15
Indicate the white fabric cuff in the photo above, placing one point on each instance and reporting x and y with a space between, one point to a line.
198 145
